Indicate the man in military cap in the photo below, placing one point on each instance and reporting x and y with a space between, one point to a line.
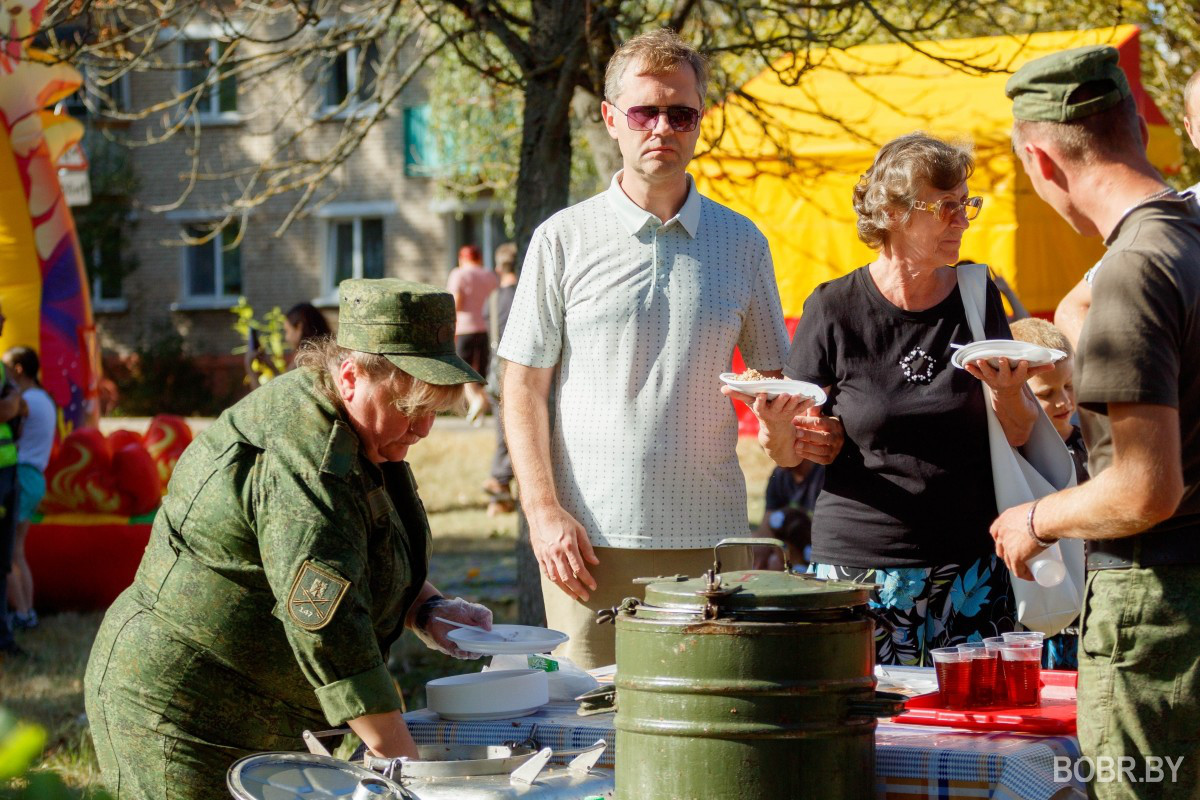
1073 308
290 552
1081 142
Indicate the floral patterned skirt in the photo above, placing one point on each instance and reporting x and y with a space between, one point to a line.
918 609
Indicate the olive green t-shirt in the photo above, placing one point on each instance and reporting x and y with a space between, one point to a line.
1141 344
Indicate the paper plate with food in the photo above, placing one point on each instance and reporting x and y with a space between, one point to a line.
994 349
753 382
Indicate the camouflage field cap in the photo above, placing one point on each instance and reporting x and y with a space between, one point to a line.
410 323
1041 90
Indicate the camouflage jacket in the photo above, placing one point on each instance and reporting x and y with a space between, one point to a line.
284 556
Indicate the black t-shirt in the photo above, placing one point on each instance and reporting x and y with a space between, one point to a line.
912 485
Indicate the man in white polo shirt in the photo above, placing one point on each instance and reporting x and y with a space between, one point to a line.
630 305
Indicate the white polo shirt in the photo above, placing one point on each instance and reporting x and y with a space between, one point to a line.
641 317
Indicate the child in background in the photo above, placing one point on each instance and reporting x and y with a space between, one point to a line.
34 444
1055 392
791 497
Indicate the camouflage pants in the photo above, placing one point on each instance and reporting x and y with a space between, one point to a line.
1139 681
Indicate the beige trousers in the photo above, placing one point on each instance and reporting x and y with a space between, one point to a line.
593 645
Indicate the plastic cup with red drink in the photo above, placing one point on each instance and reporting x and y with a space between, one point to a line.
999 690
1022 671
953 668
985 666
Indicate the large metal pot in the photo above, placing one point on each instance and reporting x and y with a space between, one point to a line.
747 685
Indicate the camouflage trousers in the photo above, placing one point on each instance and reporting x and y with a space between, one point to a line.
167 721
1139 683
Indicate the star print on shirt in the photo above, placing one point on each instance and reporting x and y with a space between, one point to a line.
918 366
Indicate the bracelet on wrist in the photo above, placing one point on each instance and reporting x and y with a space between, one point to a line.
1042 543
425 610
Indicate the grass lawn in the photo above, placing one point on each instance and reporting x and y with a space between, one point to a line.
474 556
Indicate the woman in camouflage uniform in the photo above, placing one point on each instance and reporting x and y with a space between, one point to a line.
291 550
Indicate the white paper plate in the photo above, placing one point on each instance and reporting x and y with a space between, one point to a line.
775 387
994 349
496 694
508 639
467 716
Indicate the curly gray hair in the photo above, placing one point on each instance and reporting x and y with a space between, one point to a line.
884 195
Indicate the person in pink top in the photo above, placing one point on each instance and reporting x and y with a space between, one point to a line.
471 286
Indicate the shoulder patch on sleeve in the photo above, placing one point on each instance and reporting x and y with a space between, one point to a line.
315 596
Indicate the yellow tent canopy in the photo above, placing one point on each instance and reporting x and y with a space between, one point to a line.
794 175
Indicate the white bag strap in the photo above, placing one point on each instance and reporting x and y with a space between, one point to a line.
1043 465
1039 468
972 285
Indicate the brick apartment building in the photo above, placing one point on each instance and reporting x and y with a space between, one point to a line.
382 217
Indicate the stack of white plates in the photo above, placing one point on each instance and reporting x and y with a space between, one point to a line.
498 694
994 349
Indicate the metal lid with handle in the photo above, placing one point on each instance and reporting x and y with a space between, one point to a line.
752 591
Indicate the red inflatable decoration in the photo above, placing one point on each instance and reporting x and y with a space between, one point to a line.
101 496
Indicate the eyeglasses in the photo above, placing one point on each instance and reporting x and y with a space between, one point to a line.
643 118
948 209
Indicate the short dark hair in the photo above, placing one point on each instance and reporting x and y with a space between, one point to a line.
309 320
27 359
1107 134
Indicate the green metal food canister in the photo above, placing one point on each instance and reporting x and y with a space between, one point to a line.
746 685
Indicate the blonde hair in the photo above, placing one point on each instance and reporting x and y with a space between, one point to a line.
657 52
1040 332
884 195
412 397
506 257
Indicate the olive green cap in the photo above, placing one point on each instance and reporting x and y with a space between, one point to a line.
1041 90
412 324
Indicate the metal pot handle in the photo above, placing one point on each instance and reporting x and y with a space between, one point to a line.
883 704
750 541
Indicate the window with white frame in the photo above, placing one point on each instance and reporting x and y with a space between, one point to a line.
201 57
351 76
212 270
354 249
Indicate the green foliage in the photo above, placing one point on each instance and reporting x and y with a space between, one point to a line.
475 133
161 377
268 360
21 744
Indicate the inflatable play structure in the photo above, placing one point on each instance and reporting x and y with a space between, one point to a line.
795 178
43 286
93 525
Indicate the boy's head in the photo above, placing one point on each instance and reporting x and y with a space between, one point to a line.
1054 390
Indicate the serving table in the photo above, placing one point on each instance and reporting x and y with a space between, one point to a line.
911 761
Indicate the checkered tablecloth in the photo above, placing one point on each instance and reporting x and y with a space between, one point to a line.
911 761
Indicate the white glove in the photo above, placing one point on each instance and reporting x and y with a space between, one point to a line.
433 633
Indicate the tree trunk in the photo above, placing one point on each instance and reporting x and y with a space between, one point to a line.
543 186
544 177
605 153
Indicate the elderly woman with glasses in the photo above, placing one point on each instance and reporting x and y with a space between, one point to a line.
908 499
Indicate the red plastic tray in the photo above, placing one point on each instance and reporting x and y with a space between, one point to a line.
1056 714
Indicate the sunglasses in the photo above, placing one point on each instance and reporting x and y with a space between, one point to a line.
947 209
643 118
